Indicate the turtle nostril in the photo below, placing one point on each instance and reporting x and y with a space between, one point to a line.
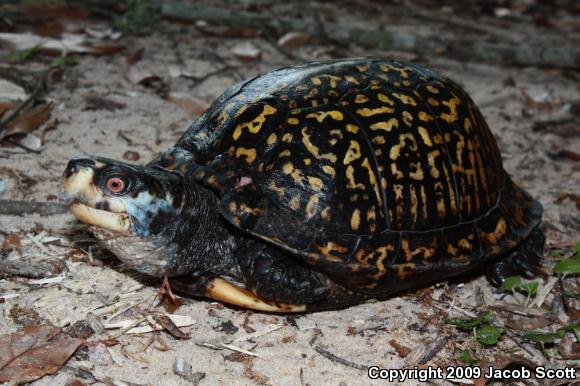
75 164
71 169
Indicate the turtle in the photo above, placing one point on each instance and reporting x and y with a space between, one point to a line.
317 186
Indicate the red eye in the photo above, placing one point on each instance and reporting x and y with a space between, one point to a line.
115 184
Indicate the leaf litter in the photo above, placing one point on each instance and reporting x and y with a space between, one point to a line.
531 315
33 352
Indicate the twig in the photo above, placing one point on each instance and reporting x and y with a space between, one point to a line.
330 356
565 301
15 207
257 334
21 107
467 24
30 269
434 350
18 144
388 38
238 349
535 353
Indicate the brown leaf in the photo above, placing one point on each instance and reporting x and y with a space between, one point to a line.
5 107
170 327
170 303
72 43
130 155
569 154
293 40
31 353
12 241
527 323
192 105
403 351
28 121
247 52
501 362
100 102
569 349
52 125
225 31
134 56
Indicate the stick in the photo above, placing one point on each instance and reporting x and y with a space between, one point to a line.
15 207
330 356
387 38
535 353
30 269
434 350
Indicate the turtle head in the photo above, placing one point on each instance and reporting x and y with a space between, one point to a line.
134 210
151 218
120 198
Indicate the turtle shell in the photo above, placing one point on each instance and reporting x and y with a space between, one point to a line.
381 175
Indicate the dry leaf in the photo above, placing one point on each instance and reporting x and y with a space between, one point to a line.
225 31
10 92
52 125
130 155
170 327
569 349
293 40
170 303
28 121
100 102
103 33
192 105
70 43
31 353
527 323
5 107
502 363
12 241
247 52
403 351
134 56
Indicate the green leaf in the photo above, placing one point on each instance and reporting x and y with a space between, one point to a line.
556 253
63 61
576 249
571 327
488 335
22 56
570 294
543 337
466 357
568 266
468 324
511 283
530 288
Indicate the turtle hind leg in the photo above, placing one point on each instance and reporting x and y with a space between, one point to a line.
274 275
524 260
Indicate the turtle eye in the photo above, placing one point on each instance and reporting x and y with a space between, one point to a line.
115 185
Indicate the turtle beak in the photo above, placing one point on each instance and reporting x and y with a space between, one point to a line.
77 180
80 191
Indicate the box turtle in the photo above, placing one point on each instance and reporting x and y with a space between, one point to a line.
317 186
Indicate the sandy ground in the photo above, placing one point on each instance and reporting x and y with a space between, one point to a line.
287 356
